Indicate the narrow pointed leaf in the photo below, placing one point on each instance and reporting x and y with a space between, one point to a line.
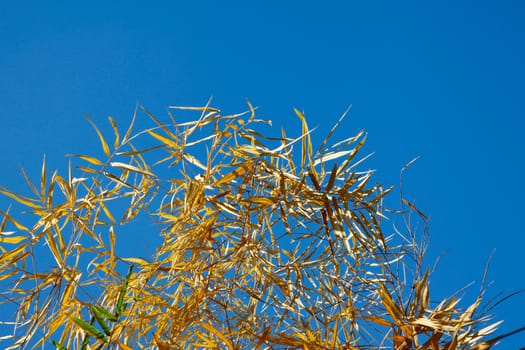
100 319
120 301
105 147
58 346
89 328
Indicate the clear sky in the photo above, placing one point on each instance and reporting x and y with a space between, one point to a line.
443 80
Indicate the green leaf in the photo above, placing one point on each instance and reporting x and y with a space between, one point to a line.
85 342
120 301
106 314
58 345
89 328
100 319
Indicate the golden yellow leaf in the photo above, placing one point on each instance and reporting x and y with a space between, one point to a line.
8 257
54 249
131 168
164 140
241 170
4 275
138 261
395 312
25 201
378 320
221 336
87 170
194 161
260 200
88 159
105 147
115 130
11 240
125 347
106 211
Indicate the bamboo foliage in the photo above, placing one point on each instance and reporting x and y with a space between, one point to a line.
264 244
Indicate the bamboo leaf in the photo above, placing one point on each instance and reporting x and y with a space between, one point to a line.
315 181
106 211
331 180
393 310
120 301
115 131
87 337
53 247
162 345
331 156
240 171
306 152
161 125
20 199
43 181
131 124
100 316
105 314
264 336
89 328
87 170
194 161
260 200
105 147
10 256
221 336
164 140
413 207
88 159
118 180
10 240
58 346
125 347
131 168
378 320
139 261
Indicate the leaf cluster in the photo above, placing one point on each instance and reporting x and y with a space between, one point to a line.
265 243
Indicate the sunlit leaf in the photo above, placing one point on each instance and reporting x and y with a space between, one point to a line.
105 147
89 328
115 131
88 159
122 293
221 336
11 240
131 168
100 316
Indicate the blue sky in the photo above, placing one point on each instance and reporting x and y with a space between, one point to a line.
441 80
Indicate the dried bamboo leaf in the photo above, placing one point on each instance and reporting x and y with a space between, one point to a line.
105 147
168 142
217 333
131 168
238 172
10 240
88 159
20 199
115 131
